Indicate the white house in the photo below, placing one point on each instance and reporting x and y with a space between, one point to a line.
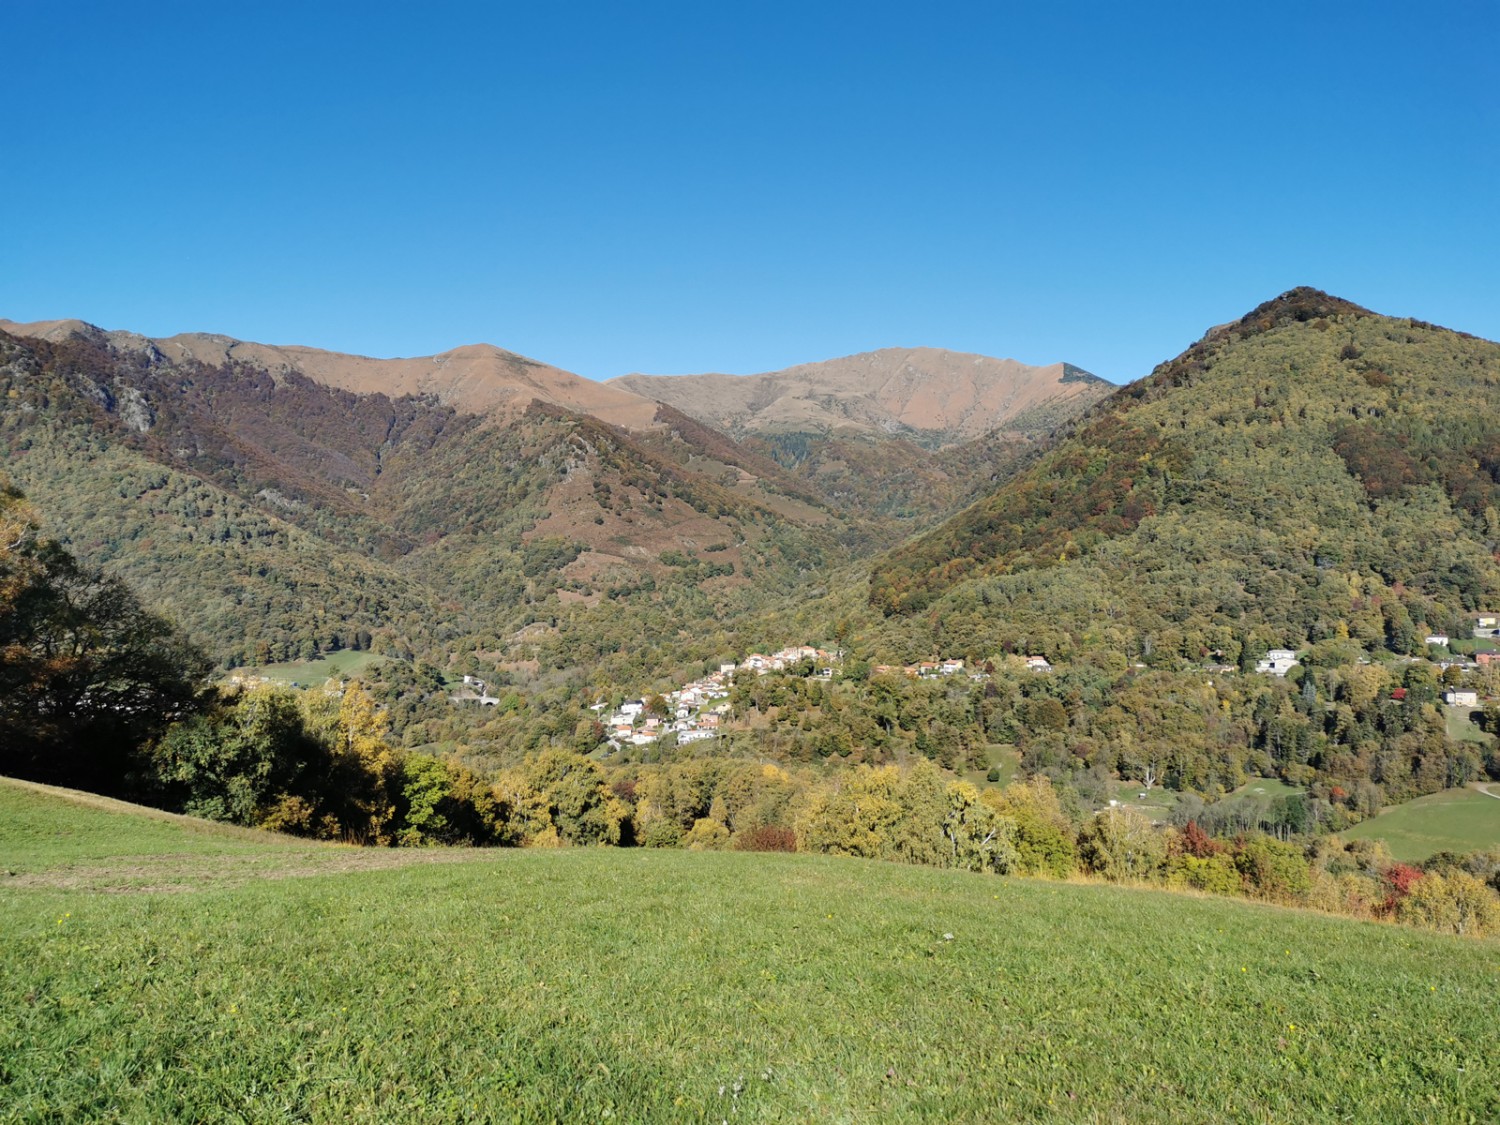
1038 664
1461 698
1278 662
1436 639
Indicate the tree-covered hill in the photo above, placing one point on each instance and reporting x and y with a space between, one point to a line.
1311 471
275 516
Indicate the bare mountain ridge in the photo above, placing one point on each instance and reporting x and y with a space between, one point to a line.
475 378
929 393
921 392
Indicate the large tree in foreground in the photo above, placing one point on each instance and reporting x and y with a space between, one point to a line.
87 676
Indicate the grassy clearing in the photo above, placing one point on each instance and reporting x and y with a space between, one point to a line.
1469 646
313 672
663 986
1271 787
1461 726
1158 803
1002 755
1457 820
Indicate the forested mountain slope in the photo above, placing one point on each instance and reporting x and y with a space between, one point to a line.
1309 472
275 516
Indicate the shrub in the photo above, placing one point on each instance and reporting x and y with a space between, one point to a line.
1399 879
706 835
1455 903
766 838
1215 874
659 832
1122 844
1273 869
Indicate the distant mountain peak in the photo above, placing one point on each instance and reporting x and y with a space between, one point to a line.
932 395
1072 373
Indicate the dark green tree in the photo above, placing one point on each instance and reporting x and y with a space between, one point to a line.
87 676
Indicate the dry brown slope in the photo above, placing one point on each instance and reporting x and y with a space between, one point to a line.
476 378
955 395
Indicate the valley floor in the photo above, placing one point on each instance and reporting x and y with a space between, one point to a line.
639 985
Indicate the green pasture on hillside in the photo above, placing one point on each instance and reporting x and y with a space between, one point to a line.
1455 820
1461 727
1271 788
1470 646
310 673
1003 755
632 985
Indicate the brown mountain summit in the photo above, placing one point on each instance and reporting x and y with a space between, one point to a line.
475 378
922 392
929 394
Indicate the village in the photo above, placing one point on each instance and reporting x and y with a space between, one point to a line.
698 710
1486 629
695 711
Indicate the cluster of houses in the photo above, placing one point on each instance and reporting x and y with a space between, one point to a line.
696 711
760 664
1279 661
933 669
925 670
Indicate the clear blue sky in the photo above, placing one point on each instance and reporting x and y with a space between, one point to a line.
737 187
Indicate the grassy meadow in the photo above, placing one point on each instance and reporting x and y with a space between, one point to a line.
158 969
1462 727
310 673
1268 787
1002 756
1455 820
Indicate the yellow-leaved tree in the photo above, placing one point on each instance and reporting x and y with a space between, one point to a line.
364 769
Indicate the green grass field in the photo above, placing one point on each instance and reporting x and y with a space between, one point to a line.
1006 757
1158 803
1272 787
1470 646
1457 820
599 985
310 673
1461 728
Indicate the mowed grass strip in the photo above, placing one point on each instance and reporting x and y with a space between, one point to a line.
1455 820
660 986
